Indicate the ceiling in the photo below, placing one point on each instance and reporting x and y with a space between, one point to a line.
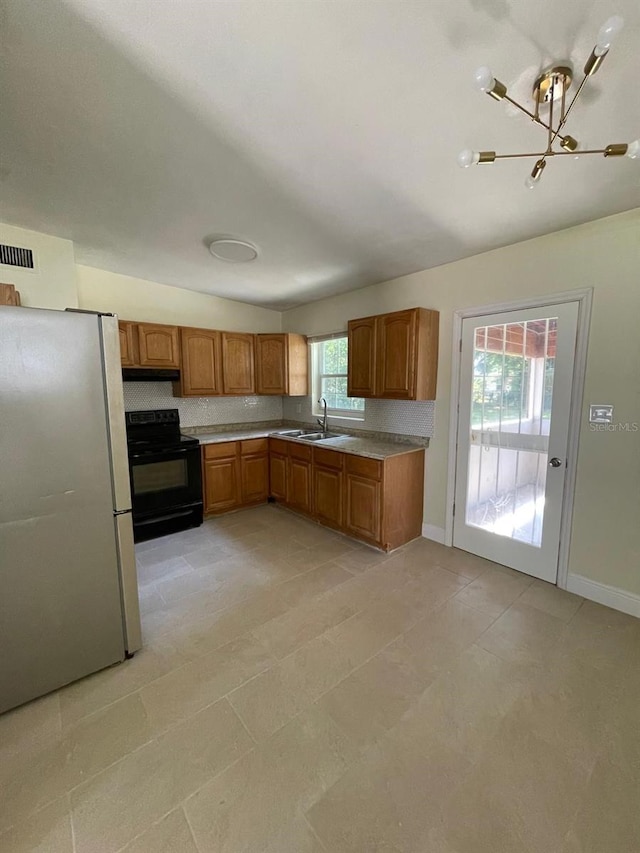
324 132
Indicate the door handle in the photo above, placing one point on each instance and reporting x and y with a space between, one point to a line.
555 462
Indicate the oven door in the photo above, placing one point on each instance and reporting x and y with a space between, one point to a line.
163 480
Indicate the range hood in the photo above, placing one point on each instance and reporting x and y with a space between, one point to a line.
149 374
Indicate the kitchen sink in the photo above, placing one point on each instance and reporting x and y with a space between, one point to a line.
308 434
319 436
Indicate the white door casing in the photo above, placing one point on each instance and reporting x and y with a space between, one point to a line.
511 516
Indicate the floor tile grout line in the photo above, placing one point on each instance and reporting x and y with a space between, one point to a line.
190 827
237 713
71 823
312 830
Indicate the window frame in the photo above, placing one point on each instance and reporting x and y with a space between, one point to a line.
316 384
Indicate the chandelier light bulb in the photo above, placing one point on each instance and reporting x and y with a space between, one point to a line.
633 150
484 79
531 183
607 34
468 158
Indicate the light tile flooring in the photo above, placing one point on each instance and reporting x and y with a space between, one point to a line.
300 693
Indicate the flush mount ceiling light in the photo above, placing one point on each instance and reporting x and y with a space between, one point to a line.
232 251
551 86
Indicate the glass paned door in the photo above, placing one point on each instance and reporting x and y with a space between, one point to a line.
515 392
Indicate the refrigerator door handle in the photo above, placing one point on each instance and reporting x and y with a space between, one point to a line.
115 413
128 582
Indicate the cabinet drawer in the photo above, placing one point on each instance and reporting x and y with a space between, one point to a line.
254 445
224 450
299 451
277 445
328 458
363 467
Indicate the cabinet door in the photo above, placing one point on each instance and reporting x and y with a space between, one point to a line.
201 373
396 355
271 364
327 495
221 484
299 484
278 476
361 378
127 343
159 345
363 507
255 478
238 374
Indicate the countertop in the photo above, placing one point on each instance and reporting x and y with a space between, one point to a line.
373 448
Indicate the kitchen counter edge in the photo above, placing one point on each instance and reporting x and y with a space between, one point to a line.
371 448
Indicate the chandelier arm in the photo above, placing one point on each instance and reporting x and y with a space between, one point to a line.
531 115
541 154
551 135
563 120
564 101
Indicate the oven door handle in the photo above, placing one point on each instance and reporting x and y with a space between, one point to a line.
173 451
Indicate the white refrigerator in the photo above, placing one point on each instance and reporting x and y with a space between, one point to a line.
68 587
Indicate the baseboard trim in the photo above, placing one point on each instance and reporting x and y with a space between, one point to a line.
430 531
602 593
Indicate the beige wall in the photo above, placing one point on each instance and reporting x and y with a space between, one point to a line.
58 282
136 299
52 284
604 255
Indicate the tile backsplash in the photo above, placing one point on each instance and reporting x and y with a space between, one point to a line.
396 416
201 411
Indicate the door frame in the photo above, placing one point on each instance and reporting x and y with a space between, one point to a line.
585 298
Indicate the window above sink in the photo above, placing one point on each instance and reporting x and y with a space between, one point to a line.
329 359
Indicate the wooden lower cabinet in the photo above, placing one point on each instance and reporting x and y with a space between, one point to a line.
377 501
254 480
278 476
235 474
299 478
222 486
363 507
328 487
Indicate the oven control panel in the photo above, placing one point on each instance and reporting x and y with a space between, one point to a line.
153 416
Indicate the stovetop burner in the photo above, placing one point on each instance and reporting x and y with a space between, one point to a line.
155 429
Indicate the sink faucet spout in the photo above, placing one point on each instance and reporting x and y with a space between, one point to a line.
323 422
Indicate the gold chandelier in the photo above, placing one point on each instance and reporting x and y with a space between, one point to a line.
551 86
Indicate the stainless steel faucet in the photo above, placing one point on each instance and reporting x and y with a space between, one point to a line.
323 422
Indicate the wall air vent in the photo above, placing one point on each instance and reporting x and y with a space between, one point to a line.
13 256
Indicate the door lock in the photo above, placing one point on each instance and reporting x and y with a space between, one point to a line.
555 462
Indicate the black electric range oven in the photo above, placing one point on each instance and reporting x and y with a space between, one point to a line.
165 473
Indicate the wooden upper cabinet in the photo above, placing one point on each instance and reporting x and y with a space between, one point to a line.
128 343
201 372
281 364
394 356
396 351
361 378
159 346
238 373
